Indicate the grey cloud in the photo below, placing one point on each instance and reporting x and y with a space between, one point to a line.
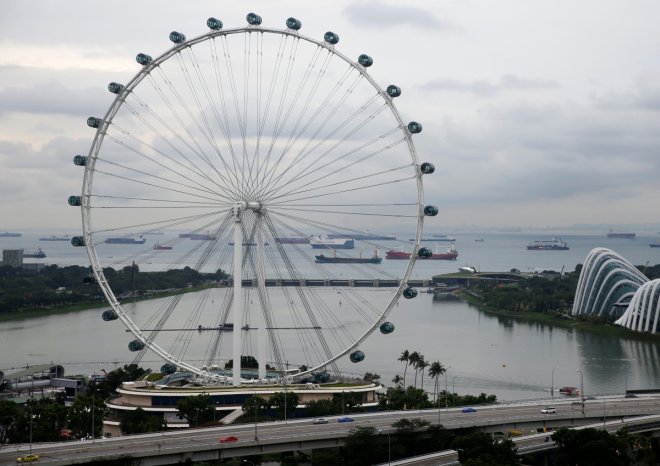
377 14
487 89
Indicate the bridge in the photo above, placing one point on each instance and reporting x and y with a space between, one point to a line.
172 447
334 282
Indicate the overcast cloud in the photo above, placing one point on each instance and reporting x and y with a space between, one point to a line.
535 113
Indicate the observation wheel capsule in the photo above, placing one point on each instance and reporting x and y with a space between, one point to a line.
331 38
109 315
75 201
430 210
386 327
427 168
424 253
365 60
214 24
409 293
80 160
357 356
135 345
293 23
253 19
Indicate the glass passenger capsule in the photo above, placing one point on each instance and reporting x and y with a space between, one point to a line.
331 38
414 127
77 241
409 293
293 23
167 369
135 345
143 59
75 201
80 160
177 37
430 210
115 88
393 91
357 356
214 24
365 60
94 122
386 327
253 19
424 253
427 168
109 315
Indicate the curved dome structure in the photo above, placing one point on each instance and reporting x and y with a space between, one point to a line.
607 284
644 309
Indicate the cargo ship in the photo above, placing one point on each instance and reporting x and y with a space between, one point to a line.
162 247
442 237
7 234
56 238
620 234
451 254
125 240
38 254
548 245
327 243
198 236
231 243
362 237
292 240
375 259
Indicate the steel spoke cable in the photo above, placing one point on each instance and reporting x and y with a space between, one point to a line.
298 189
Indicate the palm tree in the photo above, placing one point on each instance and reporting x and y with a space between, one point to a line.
422 364
413 359
405 357
435 371
397 380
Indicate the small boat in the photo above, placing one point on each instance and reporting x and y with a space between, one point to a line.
569 391
655 244
162 247
479 240
38 254
442 237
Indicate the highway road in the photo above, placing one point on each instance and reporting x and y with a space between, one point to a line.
500 417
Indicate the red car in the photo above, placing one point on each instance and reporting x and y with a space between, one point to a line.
229 439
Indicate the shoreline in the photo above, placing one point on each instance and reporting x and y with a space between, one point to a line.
597 328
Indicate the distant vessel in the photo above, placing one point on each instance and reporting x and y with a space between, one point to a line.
198 236
292 240
479 240
569 391
125 240
231 243
7 234
442 237
375 259
162 247
55 238
548 245
38 254
327 243
362 237
655 244
620 234
449 255
433 238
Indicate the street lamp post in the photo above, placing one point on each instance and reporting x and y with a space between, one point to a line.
446 401
30 408
552 383
581 389
453 390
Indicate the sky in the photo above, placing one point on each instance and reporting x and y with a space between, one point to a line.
536 113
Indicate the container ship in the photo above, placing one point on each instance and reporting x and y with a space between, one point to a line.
56 238
162 247
292 240
7 234
38 254
375 259
362 237
337 243
442 237
198 236
451 254
621 234
548 245
125 240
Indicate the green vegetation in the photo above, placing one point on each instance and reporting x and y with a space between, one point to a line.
54 288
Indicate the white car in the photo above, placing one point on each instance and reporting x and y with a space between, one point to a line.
320 420
548 410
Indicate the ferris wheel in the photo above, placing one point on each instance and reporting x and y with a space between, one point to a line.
263 171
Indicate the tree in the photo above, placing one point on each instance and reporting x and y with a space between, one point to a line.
480 449
139 421
397 380
422 364
195 409
413 359
372 378
364 446
590 447
255 407
435 371
408 431
85 410
277 401
8 417
405 357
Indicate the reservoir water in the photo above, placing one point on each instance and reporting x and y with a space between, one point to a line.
484 353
